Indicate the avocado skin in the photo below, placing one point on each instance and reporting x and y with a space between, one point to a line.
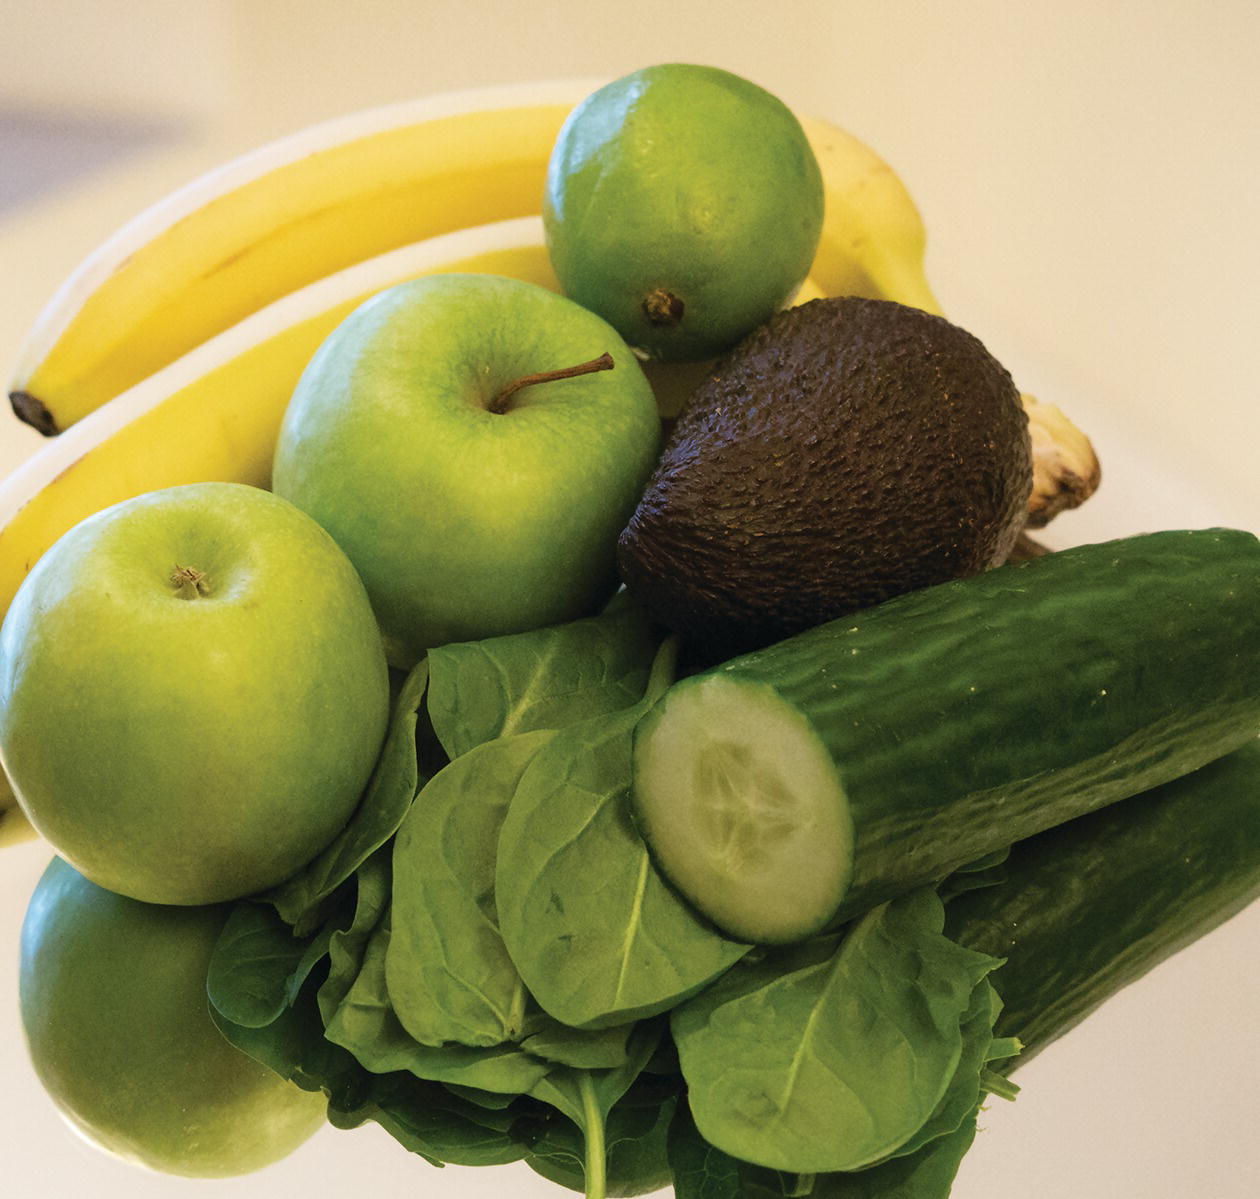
847 451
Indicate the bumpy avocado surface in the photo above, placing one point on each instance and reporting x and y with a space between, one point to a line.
847 451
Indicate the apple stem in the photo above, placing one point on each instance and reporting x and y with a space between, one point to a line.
500 402
189 582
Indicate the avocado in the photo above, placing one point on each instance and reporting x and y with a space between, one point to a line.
846 451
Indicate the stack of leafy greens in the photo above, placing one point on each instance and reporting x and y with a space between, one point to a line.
487 964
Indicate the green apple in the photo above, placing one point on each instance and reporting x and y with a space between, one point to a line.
193 692
471 509
113 1003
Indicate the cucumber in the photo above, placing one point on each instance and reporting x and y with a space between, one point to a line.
1090 906
1084 909
795 787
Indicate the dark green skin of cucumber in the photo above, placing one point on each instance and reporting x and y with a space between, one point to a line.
1092 905
976 713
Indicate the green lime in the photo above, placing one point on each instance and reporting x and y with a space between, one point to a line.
684 205
113 1001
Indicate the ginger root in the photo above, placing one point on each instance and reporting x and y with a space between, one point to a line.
1066 471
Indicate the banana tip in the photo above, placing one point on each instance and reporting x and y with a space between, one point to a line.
30 409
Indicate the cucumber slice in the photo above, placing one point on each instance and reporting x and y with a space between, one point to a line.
798 786
740 797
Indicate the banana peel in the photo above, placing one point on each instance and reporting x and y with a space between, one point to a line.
310 205
14 826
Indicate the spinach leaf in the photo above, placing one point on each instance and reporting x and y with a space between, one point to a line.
665 1062
346 945
585 1049
430 1121
389 793
423 1116
999 1061
635 1142
964 1091
759 1183
988 871
700 1171
495 1101
703 1172
258 965
927 1173
597 935
367 1026
587 1097
448 972
547 678
830 1055
294 1047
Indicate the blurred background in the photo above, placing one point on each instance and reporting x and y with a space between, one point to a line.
1088 173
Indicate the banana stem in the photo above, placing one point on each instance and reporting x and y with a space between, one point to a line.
31 409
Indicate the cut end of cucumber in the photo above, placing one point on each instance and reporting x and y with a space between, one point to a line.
742 808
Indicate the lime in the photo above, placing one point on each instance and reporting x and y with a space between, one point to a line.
683 205
113 1001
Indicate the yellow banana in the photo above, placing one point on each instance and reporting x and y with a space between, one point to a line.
873 239
14 826
216 412
275 220
315 203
